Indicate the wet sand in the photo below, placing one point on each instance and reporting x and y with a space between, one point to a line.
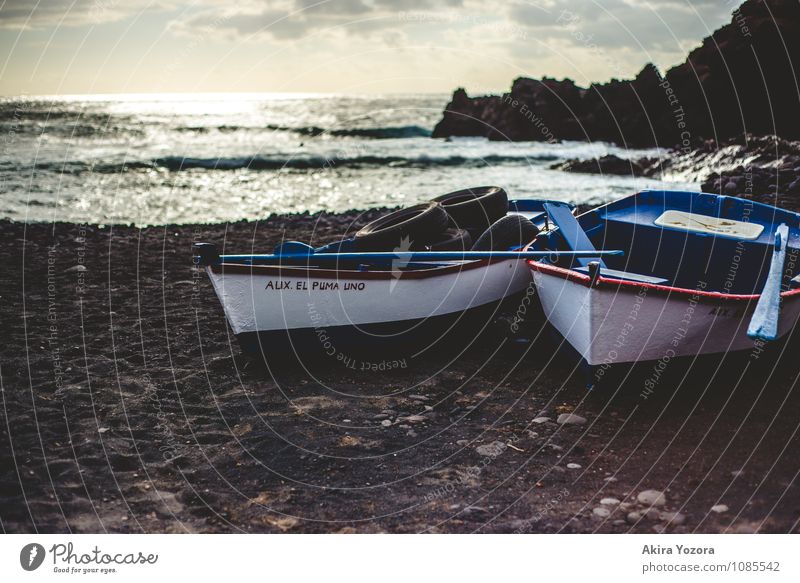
128 407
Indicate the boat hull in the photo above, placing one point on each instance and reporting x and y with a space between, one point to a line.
614 322
266 306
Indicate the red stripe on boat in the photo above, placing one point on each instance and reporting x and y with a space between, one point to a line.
572 275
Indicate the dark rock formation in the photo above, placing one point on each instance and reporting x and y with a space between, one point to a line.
761 168
743 78
766 169
608 164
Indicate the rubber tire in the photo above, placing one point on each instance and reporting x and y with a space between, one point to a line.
450 240
475 208
509 232
420 224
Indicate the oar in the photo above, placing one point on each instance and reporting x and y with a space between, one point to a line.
764 323
411 256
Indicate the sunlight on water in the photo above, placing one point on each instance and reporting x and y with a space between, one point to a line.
172 158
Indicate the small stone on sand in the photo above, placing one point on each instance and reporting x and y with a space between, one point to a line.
601 512
675 518
570 419
493 449
652 498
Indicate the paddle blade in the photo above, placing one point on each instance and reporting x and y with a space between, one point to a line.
764 324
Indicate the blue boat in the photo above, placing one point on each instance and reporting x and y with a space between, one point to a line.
700 274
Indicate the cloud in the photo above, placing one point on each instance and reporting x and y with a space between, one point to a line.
644 24
658 25
44 13
296 19
595 39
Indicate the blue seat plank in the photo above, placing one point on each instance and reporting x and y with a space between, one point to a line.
572 232
627 275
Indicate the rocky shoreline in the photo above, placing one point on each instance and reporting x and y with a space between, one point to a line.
761 168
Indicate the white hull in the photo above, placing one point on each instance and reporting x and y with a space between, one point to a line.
614 323
267 298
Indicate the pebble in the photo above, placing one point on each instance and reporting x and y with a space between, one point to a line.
731 188
573 466
653 514
386 422
601 512
652 498
415 419
462 442
570 419
674 518
380 416
719 508
609 501
418 397
633 517
541 420
493 449
610 479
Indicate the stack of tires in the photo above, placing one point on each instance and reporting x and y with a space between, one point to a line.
470 219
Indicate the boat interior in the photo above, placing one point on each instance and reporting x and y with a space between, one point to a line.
533 210
681 239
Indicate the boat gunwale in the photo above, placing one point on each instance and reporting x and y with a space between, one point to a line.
708 296
322 273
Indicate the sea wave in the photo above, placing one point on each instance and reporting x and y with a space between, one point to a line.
379 133
178 163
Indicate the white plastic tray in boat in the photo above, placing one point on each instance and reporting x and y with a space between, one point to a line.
710 225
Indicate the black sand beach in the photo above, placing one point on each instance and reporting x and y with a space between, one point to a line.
126 407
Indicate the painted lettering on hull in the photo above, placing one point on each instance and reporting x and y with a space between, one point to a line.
322 286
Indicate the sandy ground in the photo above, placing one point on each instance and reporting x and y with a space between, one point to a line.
126 407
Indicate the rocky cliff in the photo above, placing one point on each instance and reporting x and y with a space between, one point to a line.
743 78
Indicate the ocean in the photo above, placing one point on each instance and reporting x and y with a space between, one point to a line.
162 159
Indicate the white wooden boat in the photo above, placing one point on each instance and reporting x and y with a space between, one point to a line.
695 268
332 297
262 302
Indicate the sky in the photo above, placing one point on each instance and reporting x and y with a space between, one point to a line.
338 46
